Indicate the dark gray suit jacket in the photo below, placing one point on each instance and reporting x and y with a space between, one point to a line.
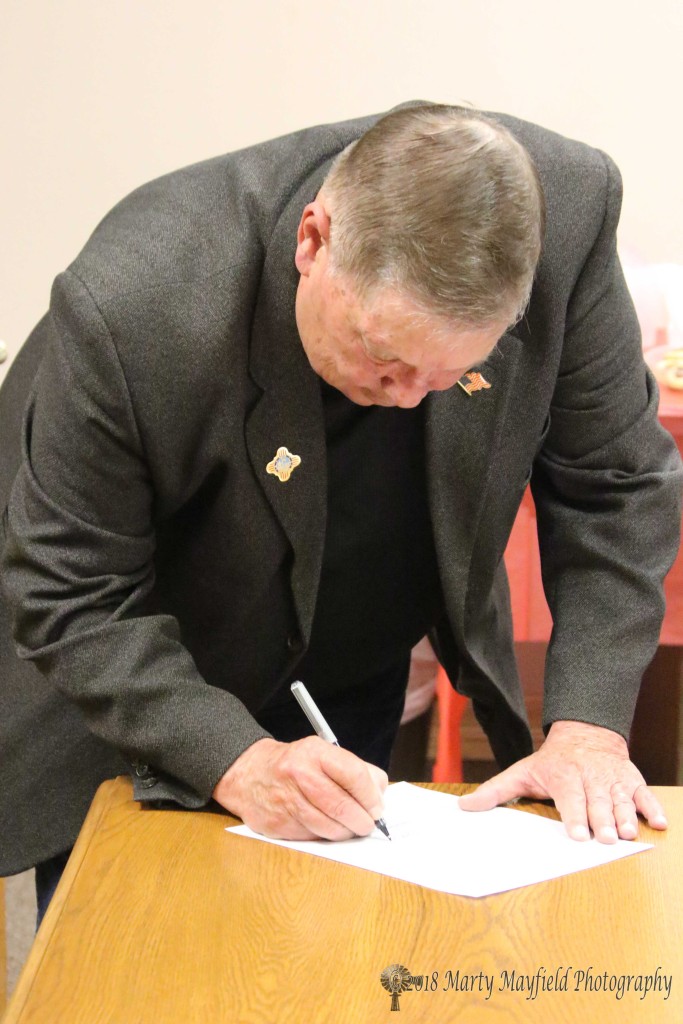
162 584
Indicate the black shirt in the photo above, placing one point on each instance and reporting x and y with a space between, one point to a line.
379 590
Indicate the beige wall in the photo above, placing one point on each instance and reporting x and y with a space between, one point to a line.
98 97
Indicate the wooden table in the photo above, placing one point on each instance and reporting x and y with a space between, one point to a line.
161 916
3 948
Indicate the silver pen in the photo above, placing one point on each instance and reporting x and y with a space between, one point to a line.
312 712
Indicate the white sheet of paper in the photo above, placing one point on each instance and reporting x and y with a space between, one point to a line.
436 844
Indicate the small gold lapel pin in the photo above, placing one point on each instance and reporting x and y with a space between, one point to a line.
472 382
283 465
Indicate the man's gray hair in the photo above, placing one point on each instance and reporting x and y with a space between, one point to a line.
443 205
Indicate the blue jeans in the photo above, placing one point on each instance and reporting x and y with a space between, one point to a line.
48 874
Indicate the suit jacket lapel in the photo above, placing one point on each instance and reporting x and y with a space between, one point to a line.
463 435
289 410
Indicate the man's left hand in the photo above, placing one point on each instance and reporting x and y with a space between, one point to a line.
586 770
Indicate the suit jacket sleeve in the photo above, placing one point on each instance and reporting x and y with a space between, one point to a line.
606 484
78 565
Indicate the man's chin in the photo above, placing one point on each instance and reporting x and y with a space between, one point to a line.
358 395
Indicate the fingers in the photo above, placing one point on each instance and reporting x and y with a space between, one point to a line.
614 815
624 812
570 799
341 798
610 813
649 806
522 780
296 816
303 790
363 782
579 811
499 790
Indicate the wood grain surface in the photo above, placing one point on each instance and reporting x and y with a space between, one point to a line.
162 916
3 948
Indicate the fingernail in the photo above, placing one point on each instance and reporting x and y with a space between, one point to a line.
661 821
609 834
628 830
580 832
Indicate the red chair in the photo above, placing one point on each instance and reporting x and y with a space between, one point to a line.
451 705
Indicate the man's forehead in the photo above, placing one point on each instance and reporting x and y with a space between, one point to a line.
389 317
399 326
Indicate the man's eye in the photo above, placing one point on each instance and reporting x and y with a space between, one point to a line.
376 358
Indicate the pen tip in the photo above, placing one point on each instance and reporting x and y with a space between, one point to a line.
381 825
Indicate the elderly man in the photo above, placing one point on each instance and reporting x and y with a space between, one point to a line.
254 452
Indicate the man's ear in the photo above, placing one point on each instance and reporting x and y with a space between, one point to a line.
312 235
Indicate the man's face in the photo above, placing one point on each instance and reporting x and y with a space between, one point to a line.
376 354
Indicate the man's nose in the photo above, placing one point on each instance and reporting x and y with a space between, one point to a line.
408 387
406 391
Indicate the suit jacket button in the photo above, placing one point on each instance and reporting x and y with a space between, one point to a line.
294 642
144 774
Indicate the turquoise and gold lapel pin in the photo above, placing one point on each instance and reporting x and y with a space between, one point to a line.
283 465
472 382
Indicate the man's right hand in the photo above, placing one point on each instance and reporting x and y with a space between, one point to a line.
308 789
